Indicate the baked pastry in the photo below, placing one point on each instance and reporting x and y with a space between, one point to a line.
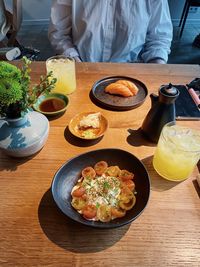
131 86
118 89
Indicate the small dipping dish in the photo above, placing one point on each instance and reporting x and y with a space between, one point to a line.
52 104
88 133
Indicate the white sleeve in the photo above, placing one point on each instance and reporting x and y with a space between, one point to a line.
4 23
60 28
159 34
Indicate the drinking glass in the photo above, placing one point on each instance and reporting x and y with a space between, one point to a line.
64 70
177 152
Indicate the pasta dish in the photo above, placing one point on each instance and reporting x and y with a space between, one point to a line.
104 192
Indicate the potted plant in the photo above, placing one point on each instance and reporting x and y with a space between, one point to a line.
22 131
16 94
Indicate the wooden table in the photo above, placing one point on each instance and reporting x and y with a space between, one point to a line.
33 232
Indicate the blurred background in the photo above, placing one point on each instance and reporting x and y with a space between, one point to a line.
34 27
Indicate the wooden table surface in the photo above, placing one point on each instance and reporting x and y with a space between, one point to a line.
33 232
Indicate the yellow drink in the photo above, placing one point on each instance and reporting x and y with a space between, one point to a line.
64 70
177 152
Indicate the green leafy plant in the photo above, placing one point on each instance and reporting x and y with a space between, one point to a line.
16 93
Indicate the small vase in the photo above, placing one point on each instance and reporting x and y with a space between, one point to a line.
24 136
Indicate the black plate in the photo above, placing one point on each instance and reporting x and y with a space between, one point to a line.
118 102
67 176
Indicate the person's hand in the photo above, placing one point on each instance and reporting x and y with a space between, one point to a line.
77 59
157 61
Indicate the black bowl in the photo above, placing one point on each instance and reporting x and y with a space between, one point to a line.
66 177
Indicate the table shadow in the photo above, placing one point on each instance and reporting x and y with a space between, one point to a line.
157 182
137 138
196 186
55 117
73 140
195 183
9 163
71 235
198 166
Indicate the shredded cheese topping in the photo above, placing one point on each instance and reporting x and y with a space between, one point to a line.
91 120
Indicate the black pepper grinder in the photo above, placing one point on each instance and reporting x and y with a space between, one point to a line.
162 111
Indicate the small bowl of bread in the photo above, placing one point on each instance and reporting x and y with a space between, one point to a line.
88 125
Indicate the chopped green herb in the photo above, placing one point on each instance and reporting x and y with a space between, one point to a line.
116 190
88 134
85 183
97 205
106 185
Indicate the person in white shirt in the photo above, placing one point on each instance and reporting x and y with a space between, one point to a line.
111 30
4 23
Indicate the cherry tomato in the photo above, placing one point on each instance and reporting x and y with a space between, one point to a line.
126 175
84 196
100 167
117 213
89 211
125 190
88 172
130 184
79 192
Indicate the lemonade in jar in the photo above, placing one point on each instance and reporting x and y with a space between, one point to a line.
64 70
177 152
